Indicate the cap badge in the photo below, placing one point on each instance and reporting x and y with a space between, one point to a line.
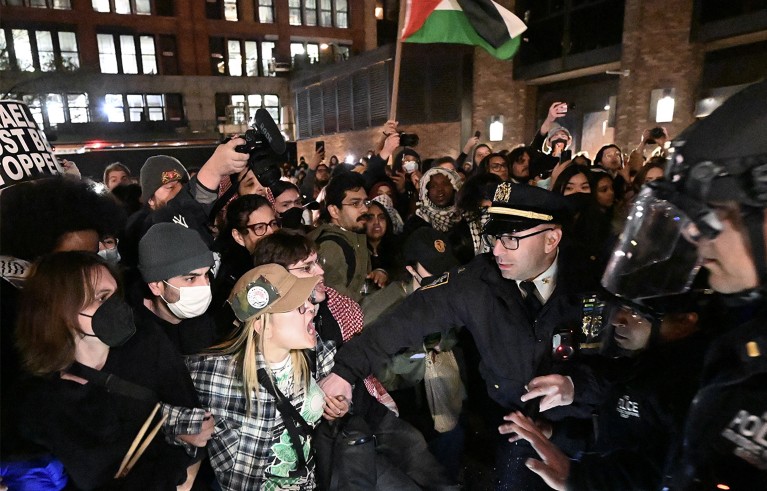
170 175
258 298
254 298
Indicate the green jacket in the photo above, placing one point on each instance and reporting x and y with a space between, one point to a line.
329 238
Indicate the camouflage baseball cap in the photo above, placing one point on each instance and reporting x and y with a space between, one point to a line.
269 288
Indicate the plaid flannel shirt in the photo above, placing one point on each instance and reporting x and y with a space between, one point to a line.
241 447
182 421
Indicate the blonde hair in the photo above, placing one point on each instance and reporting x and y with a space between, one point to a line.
244 347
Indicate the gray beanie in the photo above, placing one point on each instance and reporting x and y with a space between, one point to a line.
158 171
170 249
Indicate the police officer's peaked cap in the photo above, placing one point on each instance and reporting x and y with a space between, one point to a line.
518 207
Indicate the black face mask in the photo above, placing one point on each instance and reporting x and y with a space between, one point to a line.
579 201
112 322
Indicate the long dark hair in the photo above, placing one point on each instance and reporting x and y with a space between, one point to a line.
561 183
60 285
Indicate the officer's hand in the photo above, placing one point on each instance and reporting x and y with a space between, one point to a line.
333 386
554 466
556 390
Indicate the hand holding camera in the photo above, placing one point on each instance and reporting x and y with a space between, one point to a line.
557 110
652 135
264 149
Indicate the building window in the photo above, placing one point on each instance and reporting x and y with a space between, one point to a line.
267 59
119 108
127 54
32 50
221 10
237 57
304 53
230 10
325 13
52 109
265 11
40 4
137 7
242 108
295 12
342 13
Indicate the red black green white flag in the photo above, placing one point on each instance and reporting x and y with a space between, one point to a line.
475 22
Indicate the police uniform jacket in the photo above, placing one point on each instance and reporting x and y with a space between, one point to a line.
513 348
641 417
725 437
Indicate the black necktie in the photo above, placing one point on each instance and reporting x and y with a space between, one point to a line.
531 301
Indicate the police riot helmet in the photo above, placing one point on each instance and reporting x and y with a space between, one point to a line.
720 159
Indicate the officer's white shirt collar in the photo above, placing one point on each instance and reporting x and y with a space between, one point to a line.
546 281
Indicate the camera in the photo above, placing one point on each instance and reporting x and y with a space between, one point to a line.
408 139
266 148
655 134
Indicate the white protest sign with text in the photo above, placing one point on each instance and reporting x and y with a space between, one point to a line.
25 153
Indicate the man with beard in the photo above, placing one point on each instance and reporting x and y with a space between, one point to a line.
170 195
341 239
519 158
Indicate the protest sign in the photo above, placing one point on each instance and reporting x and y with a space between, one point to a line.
25 153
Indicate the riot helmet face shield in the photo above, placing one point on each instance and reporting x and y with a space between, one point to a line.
657 254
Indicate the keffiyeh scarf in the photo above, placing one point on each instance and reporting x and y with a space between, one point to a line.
349 316
441 218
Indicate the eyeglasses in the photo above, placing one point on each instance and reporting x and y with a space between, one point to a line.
306 268
498 166
304 309
510 242
260 228
358 203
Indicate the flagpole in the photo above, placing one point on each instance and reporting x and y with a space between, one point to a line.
397 58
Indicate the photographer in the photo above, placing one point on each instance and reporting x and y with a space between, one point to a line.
657 136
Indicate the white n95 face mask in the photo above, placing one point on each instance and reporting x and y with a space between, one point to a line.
193 301
410 166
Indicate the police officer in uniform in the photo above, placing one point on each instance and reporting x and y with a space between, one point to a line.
712 212
512 301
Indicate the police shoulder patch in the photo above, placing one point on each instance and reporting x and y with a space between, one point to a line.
442 280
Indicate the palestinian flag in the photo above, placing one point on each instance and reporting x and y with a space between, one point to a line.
475 22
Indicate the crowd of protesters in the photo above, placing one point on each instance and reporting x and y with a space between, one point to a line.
396 323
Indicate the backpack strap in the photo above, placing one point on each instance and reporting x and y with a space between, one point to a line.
351 259
290 416
112 383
